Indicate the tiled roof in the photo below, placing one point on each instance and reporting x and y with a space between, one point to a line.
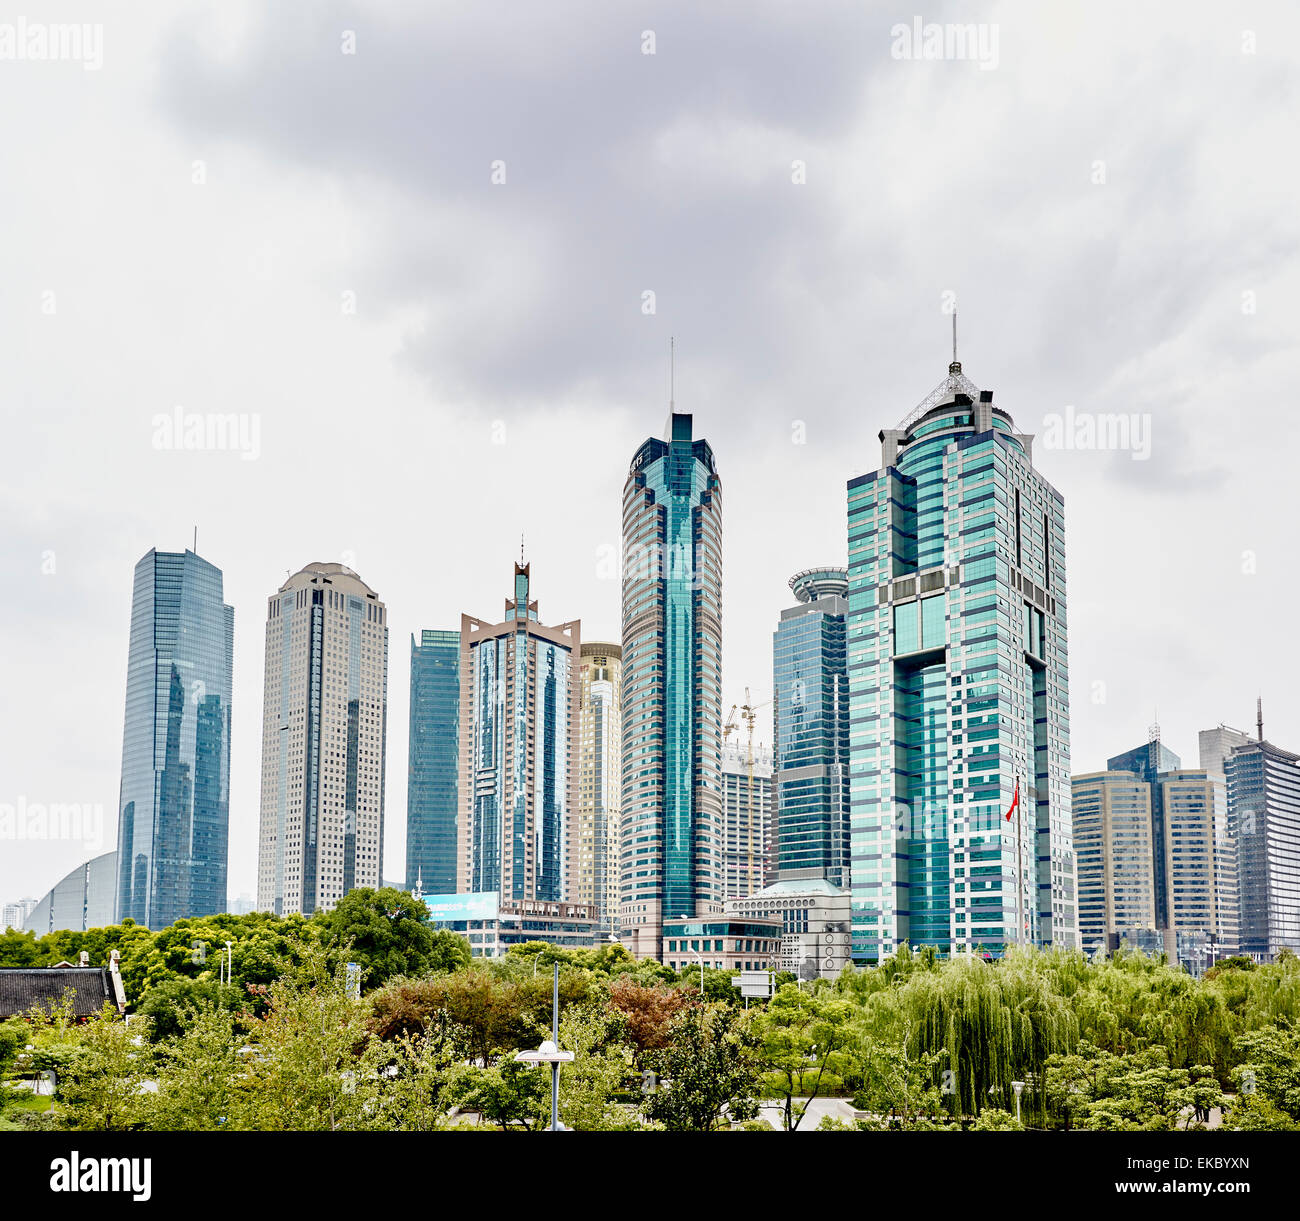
23 988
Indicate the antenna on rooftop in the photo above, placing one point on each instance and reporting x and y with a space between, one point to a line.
672 370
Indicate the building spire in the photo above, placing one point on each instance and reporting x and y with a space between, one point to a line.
1259 716
672 371
955 367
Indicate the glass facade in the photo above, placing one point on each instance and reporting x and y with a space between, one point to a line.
174 808
432 764
957 664
1264 818
672 682
519 687
810 682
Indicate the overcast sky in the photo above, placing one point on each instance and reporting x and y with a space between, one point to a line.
289 211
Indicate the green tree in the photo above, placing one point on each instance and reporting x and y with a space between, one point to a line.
386 931
708 1074
804 1036
200 1074
102 1087
510 1094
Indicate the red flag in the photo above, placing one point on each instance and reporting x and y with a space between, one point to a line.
1015 801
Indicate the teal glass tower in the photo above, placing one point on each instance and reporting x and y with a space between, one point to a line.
810 682
432 765
672 685
958 695
174 805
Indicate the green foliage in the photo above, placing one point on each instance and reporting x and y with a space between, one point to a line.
510 1094
709 1073
386 932
805 1037
101 1088
171 1006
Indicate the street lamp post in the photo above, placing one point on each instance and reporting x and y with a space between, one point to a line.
1019 1088
550 1053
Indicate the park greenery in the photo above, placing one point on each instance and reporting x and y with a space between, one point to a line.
426 1039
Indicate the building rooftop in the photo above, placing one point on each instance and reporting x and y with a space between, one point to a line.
25 988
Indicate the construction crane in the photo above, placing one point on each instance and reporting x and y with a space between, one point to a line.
749 713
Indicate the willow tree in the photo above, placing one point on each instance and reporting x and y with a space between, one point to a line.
995 1024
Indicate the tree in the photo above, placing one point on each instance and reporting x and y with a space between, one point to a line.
708 1074
386 931
302 1070
410 1083
171 1006
803 1038
200 1074
101 1088
649 1012
601 1065
509 1094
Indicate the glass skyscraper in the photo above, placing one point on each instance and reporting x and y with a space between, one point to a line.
811 692
432 764
672 685
174 807
958 688
1264 817
519 700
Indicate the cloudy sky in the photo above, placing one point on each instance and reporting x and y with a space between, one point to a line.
414 245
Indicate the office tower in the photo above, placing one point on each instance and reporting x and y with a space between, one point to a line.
1215 748
15 915
811 693
1263 784
324 727
672 686
1115 862
1144 840
432 764
519 694
746 820
957 687
600 742
174 803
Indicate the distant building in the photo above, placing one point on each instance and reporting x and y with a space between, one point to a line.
600 781
746 820
810 783
174 804
815 920
1144 841
242 905
15 915
1263 784
723 942
492 924
672 686
324 728
431 784
518 785
1215 748
84 898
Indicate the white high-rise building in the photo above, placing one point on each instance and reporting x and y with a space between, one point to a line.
323 732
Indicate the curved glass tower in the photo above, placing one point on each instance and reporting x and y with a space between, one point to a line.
672 685
174 805
811 690
958 688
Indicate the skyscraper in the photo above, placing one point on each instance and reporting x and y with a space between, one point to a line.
1264 816
600 741
432 765
519 698
957 687
1215 749
746 820
324 727
811 691
672 685
1145 846
174 804
1116 862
